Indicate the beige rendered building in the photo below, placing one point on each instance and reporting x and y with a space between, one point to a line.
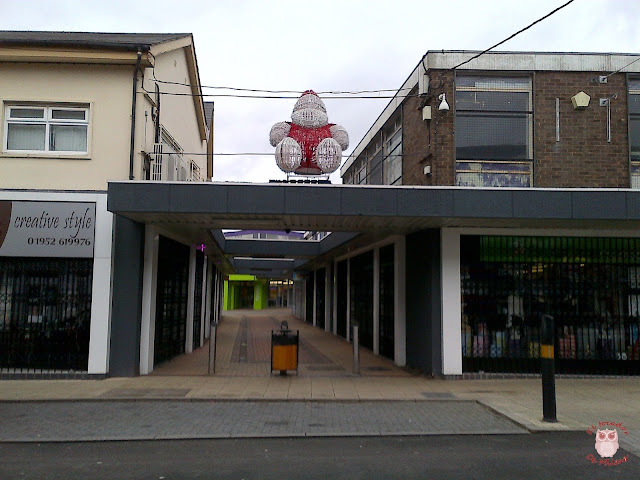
79 110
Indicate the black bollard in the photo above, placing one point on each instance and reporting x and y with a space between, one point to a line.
547 367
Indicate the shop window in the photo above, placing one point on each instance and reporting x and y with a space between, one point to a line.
49 129
634 131
494 131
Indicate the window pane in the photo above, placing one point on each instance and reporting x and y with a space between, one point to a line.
68 138
634 103
68 114
22 136
27 113
493 101
483 136
634 138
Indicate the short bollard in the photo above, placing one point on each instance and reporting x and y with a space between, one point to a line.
212 348
356 349
547 367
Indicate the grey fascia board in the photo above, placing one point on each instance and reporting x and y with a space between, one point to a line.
379 201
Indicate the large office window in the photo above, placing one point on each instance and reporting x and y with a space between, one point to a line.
494 131
49 129
634 131
392 151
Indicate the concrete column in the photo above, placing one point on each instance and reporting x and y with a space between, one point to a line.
451 303
207 301
334 307
203 304
101 290
315 293
126 298
328 308
188 348
149 289
399 302
376 301
348 299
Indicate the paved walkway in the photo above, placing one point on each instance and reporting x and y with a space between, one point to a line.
153 420
243 349
580 402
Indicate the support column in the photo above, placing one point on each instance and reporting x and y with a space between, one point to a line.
334 307
149 288
188 348
376 301
203 300
101 289
328 308
207 299
315 292
126 298
348 299
451 304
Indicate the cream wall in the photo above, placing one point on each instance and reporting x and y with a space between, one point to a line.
107 90
177 112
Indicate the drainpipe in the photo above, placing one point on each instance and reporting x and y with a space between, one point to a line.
133 114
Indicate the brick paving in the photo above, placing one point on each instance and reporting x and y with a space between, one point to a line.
243 348
142 420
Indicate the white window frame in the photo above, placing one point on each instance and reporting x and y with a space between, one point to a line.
47 120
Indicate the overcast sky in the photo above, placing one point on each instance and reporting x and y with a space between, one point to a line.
328 45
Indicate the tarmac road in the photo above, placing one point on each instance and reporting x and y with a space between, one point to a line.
556 455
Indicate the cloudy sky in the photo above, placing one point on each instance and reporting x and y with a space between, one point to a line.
330 45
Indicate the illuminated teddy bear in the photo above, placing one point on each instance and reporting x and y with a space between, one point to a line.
308 145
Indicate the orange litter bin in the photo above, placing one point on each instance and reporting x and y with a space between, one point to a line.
284 350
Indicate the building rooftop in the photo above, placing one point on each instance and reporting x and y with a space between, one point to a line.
120 41
499 61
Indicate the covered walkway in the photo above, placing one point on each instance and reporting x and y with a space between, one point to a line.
243 349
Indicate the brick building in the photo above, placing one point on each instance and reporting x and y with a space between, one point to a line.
511 123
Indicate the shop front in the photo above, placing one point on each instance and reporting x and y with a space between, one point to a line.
590 285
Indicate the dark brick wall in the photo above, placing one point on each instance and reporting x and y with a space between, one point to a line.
582 157
429 143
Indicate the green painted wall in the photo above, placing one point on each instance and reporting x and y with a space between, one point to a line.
232 291
260 294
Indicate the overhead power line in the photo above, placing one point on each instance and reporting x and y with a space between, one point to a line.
513 35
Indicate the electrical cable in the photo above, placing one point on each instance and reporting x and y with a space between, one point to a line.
622 68
513 35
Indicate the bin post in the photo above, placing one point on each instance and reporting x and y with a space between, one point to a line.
212 347
356 349
547 367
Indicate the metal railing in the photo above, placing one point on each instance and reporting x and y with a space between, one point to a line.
168 166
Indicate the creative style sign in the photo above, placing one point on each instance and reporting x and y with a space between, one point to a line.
309 145
47 229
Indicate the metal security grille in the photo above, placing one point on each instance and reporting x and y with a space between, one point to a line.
387 305
45 313
361 285
591 286
171 300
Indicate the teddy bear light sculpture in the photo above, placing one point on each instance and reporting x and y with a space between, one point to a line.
309 144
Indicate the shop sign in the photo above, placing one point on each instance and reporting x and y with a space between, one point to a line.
47 229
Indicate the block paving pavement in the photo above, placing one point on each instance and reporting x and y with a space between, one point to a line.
161 420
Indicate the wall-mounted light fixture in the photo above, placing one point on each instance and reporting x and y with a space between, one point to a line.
444 106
